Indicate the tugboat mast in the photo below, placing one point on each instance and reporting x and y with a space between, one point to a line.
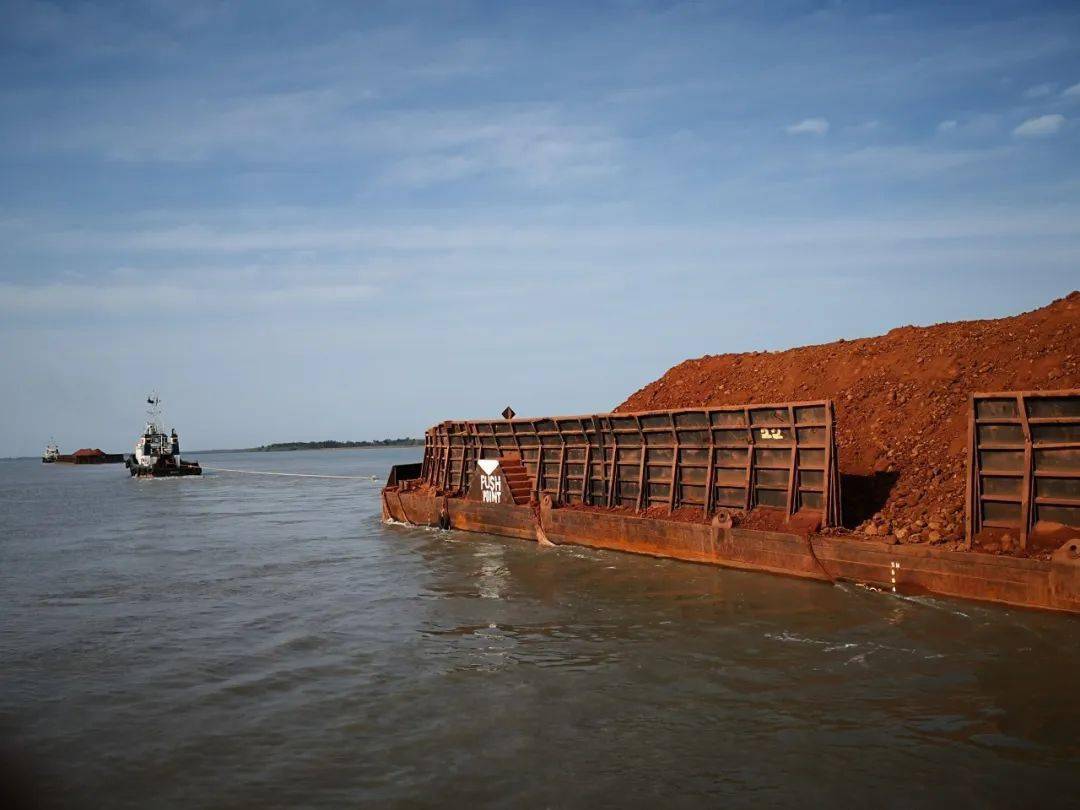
154 422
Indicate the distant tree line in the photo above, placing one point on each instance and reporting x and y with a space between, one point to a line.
333 445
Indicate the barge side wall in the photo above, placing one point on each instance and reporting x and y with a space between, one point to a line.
782 456
1053 585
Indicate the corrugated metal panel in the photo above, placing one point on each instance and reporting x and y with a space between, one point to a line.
781 456
1023 460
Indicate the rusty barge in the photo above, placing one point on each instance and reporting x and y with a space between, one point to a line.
88 455
757 487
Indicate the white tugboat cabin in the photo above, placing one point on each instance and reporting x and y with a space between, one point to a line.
52 451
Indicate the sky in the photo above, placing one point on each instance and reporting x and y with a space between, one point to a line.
312 220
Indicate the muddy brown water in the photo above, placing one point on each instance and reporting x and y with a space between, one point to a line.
264 641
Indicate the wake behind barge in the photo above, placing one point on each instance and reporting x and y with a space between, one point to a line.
752 488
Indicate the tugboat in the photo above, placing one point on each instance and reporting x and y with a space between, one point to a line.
52 451
157 454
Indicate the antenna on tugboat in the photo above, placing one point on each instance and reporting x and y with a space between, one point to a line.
153 413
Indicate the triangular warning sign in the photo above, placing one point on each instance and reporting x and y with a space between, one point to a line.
488 465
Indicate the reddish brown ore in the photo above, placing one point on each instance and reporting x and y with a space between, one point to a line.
901 406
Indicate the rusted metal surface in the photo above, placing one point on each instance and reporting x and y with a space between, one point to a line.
781 456
1030 583
419 509
400 473
1023 462
507 520
502 480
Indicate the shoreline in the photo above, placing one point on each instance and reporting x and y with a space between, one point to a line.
417 443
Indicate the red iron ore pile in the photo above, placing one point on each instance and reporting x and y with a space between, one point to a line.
901 406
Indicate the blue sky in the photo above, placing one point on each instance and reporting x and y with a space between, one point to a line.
304 220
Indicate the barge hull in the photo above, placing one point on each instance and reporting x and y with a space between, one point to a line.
1028 583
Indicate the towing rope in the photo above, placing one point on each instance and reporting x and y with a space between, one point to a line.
294 475
813 553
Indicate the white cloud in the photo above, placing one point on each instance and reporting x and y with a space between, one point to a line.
534 144
866 127
427 170
239 238
394 252
981 125
809 126
909 161
67 298
1038 127
1040 90
1072 92
536 147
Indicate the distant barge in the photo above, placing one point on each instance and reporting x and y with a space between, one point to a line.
87 455
754 486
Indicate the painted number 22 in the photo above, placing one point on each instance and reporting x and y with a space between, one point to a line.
775 433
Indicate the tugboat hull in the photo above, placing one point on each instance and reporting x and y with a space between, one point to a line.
164 470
